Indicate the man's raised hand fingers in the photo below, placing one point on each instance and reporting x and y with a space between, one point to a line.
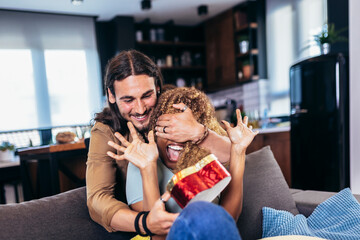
164 117
122 139
132 131
163 122
164 135
116 146
161 129
181 107
115 156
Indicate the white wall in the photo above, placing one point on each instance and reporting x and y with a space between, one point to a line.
354 49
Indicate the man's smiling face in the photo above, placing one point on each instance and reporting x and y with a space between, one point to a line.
136 98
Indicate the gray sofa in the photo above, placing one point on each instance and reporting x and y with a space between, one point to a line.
65 216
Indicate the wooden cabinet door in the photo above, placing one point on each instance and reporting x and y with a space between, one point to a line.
279 143
220 51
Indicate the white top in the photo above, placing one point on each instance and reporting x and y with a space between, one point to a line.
134 190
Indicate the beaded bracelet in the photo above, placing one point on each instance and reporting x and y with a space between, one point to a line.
206 133
136 223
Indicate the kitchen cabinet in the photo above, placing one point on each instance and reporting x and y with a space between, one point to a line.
235 46
178 50
220 51
249 38
279 143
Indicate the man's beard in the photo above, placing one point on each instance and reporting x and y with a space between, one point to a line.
144 129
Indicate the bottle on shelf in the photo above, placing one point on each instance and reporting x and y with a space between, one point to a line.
197 59
199 83
243 42
152 35
186 58
160 34
169 61
193 82
139 36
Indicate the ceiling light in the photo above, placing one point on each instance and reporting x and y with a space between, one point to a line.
202 10
145 4
77 2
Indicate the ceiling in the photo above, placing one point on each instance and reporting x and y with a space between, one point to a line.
183 12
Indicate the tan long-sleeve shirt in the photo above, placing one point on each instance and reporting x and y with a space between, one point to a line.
105 177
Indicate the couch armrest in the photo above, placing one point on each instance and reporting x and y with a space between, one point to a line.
307 201
62 216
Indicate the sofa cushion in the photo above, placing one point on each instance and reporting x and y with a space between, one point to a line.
264 186
336 218
306 201
63 216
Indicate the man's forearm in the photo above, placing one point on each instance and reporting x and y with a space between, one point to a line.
123 220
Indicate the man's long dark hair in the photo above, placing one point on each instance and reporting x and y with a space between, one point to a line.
123 65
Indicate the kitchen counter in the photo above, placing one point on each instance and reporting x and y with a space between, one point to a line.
273 129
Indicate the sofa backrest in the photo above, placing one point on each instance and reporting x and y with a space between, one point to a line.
264 185
65 216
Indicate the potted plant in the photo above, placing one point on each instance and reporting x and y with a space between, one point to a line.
329 36
246 69
7 151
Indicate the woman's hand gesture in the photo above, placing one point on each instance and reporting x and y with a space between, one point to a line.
137 152
241 135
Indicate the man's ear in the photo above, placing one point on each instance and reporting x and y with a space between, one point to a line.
157 90
111 97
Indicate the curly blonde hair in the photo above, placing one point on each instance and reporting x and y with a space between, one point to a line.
203 112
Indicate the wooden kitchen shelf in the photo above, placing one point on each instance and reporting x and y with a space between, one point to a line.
171 44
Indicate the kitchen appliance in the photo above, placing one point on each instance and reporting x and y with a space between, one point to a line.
319 95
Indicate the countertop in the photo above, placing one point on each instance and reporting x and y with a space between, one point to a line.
273 129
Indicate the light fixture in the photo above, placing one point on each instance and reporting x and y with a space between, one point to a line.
77 2
145 4
202 10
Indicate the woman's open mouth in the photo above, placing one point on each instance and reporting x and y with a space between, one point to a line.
173 151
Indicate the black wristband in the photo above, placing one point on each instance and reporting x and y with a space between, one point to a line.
148 232
136 223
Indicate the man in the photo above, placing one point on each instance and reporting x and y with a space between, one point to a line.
133 83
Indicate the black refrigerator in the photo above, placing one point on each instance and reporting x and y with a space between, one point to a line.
319 96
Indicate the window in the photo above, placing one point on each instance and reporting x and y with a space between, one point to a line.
66 74
291 26
17 91
49 71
